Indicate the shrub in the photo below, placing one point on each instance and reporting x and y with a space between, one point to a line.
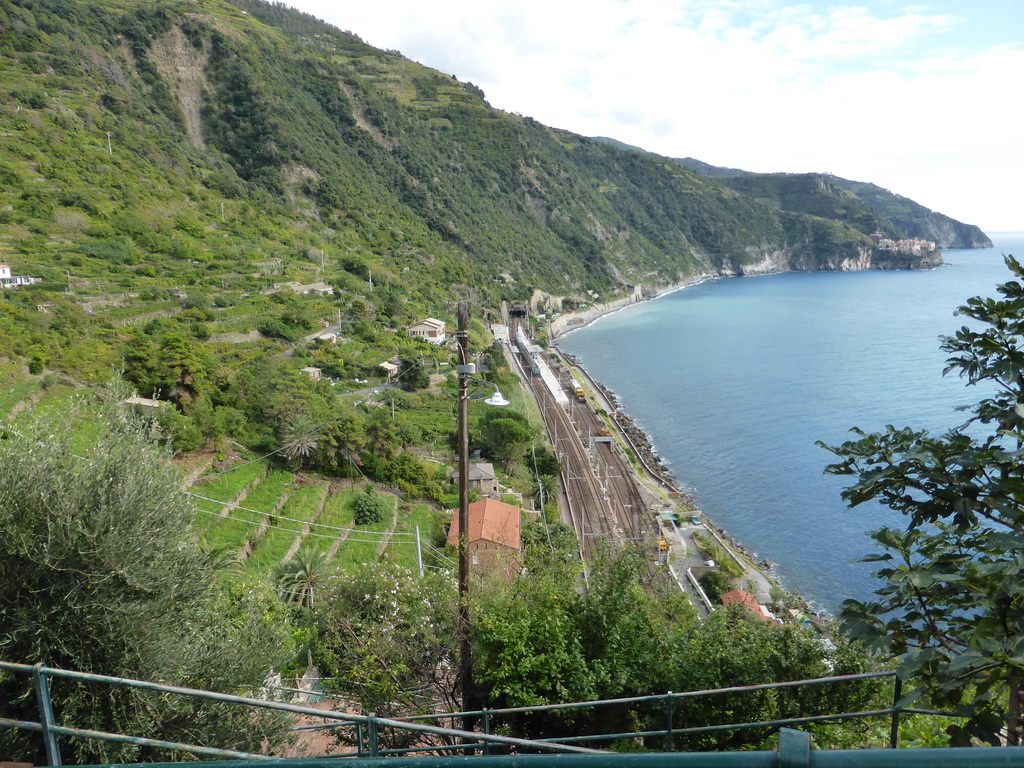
370 507
715 585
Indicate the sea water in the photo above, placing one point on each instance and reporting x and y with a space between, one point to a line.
735 379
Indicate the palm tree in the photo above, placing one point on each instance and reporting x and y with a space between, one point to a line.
223 560
545 488
298 579
300 438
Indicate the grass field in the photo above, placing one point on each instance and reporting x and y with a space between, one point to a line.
402 548
362 544
13 392
286 526
243 522
336 520
223 489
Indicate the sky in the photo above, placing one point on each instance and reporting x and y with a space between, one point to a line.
921 98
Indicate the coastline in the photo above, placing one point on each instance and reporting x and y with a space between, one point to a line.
645 449
566 322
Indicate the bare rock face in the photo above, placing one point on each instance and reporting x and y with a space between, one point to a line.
181 65
773 261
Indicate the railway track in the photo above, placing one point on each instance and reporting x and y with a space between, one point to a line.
604 497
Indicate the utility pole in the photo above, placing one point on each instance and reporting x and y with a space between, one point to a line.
466 648
419 552
110 147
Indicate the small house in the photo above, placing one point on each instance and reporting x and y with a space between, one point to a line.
145 404
493 537
314 373
481 478
389 368
430 330
748 601
8 280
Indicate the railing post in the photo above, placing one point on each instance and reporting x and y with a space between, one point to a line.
794 749
669 713
487 730
894 729
42 685
359 738
373 734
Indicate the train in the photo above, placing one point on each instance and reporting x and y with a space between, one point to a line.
577 390
530 353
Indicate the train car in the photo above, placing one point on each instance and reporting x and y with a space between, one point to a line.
530 353
577 390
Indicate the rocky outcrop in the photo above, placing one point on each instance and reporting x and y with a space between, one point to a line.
943 231
772 261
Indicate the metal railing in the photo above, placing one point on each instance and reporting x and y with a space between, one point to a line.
367 730
367 726
667 703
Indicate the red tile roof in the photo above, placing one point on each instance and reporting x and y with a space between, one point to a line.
745 599
490 520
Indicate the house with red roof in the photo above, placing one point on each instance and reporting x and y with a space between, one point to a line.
493 537
748 601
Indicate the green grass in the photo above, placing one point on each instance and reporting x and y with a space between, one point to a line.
337 514
402 549
13 393
232 531
362 544
299 509
223 489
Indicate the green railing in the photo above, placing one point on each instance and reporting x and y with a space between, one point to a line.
794 746
666 703
367 727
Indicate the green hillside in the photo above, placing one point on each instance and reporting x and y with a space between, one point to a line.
200 186
865 207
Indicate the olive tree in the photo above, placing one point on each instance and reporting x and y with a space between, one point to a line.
101 573
951 603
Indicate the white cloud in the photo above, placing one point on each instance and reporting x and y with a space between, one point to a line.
761 84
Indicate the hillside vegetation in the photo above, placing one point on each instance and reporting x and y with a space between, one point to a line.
203 187
865 207
243 134
199 187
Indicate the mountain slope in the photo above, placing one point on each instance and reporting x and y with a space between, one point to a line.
247 133
866 207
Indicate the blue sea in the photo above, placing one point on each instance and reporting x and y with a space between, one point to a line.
735 379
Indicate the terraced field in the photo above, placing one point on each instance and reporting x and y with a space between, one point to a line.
216 496
288 527
266 515
14 392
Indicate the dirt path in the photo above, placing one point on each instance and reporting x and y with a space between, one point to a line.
394 524
25 404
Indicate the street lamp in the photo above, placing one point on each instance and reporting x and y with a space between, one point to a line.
465 371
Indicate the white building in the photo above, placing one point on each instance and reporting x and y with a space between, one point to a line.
430 330
7 280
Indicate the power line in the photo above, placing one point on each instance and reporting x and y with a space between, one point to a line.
385 536
286 519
